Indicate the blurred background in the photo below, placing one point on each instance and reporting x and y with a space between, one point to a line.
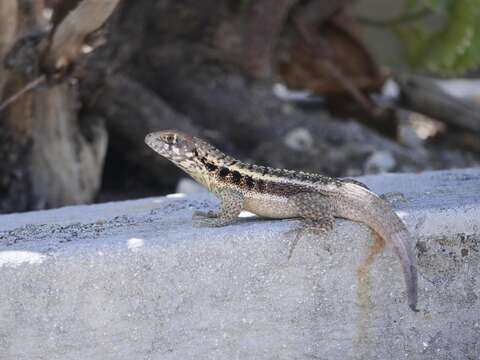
344 88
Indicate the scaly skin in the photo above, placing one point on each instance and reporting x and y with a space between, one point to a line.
281 194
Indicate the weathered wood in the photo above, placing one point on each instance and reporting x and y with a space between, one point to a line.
122 95
132 111
422 95
262 34
68 37
250 122
8 28
48 157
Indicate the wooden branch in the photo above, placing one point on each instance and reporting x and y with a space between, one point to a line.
320 49
422 95
266 18
318 11
64 46
132 111
8 24
8 27
69 36
29 86
48 157
122 96
61 8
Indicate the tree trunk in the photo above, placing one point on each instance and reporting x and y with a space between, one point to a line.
48 157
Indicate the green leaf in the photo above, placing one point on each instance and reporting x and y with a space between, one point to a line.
455 48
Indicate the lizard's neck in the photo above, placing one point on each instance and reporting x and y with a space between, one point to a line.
204 179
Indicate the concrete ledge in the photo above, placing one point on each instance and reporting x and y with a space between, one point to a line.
135 280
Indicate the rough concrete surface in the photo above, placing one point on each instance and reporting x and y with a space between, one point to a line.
135 280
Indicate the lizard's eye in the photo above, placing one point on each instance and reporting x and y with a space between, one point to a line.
171 139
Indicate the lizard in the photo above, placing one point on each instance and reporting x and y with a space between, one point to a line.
282 194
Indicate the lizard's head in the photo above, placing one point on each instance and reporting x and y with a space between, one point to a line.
187 152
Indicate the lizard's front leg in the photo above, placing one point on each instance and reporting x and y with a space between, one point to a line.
231 203
317 214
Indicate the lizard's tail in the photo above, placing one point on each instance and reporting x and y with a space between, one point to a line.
364 206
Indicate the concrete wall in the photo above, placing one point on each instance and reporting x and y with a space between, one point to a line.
135 280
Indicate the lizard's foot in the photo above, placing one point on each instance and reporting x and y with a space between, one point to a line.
318 228
210 214
317 214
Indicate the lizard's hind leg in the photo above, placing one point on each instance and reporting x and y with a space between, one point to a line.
317 215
